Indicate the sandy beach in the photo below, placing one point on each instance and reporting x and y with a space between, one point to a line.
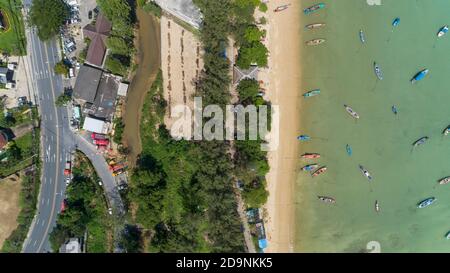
181 64
283 84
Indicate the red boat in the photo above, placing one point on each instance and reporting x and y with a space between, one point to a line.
310 155
319 171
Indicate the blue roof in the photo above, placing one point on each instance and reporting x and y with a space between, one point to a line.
262 243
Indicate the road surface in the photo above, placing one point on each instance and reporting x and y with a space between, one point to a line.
57 142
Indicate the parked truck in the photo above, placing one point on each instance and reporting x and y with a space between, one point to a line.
101 142
67 169
97 136
116 167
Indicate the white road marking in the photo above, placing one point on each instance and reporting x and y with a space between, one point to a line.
35 242
48 201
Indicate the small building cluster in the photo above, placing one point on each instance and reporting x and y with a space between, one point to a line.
254 217
8 76
96 92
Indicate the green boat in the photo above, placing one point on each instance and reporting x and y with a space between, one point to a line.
314 8
312 93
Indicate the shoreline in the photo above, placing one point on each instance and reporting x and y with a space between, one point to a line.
284 79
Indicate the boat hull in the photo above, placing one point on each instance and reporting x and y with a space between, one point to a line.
315 42
314 8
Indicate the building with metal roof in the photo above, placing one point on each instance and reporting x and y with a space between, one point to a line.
98 34
87 83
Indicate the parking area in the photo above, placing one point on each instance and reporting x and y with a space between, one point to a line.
83 12
18 94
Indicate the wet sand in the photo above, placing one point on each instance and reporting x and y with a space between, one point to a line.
149 61
283 85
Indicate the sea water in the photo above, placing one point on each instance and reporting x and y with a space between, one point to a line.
342 68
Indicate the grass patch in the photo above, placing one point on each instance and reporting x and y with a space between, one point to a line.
14 164
15 116
13 40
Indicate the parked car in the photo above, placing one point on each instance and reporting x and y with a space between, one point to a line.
67 181
100 183
22 100
90 14
67 169
71 73
110 211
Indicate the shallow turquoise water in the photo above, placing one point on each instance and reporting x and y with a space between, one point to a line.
343 69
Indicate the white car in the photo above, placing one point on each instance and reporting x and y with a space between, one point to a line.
110 211
67 181
100 183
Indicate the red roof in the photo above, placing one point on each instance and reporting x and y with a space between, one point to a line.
98 34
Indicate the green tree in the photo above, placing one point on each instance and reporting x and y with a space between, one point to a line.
61 68
118 45
255 53
63 100
48 16
247 3
118 130
115 66
248 89
263 7
253 34
131 240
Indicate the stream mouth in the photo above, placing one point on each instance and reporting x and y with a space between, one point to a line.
148 59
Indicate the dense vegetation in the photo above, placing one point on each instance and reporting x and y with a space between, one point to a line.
251 160
120 41
247 34
48 16
151 7
119 126
86 211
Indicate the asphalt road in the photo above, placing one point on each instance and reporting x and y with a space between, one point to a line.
57 144
54 152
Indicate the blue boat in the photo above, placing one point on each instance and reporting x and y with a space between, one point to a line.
396 22
314 8
394 110
303 138
310 167
426 202
419 76
442 31
349 150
